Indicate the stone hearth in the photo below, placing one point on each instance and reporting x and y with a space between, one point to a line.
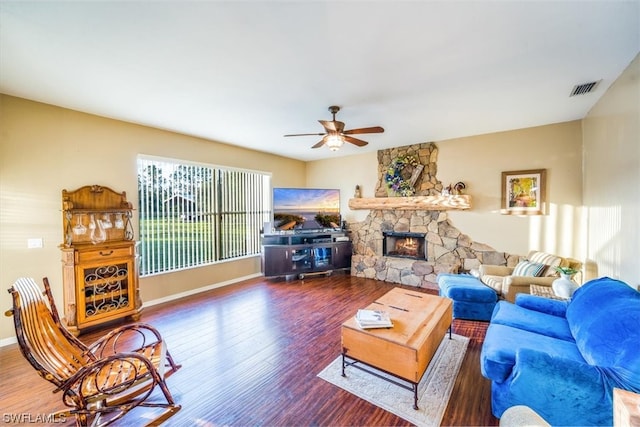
448 249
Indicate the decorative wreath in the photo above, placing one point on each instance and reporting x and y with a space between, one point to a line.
393 177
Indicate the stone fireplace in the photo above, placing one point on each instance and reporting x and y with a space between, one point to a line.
404 245
445 249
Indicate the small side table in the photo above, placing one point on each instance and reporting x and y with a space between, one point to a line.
544 291
626 408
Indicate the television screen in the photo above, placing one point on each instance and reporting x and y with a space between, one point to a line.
306 208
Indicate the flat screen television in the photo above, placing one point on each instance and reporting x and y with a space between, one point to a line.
306 209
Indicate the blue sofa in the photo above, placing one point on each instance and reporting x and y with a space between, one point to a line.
563 359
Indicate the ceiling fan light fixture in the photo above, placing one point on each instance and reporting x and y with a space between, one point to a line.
334 135
334 142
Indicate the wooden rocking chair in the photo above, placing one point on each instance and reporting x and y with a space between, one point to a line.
100 383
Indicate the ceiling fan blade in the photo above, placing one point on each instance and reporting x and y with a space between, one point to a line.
355 141
374 129
306 134
332 125
321 143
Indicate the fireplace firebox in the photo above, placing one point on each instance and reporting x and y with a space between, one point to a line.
404 245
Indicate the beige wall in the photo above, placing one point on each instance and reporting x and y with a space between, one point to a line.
612 178
45 149
478 161
345 173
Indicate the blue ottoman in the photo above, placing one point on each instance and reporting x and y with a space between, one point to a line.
472 299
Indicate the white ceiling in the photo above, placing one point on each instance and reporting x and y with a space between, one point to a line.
248 72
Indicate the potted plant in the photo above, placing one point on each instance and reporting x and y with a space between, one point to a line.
566 272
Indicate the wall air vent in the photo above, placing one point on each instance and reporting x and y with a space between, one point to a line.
584 88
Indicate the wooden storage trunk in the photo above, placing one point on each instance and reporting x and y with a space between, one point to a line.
420 322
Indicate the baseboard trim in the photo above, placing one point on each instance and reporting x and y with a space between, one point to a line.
174 297
8 341
13 340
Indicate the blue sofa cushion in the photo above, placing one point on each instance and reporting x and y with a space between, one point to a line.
461 287
542 304
506 313
604 318
502 343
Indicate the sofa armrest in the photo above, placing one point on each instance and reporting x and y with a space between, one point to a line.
528 280
542 304
560 384
513 285
495 270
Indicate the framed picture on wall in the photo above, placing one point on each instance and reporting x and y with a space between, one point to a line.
523 192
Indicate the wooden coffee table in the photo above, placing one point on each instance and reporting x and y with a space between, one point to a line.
420 321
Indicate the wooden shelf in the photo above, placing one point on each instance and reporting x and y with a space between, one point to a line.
418 203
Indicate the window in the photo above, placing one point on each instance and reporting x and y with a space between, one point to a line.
194 214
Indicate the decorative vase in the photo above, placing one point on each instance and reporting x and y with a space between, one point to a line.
563 286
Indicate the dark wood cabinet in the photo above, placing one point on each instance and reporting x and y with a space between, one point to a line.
305 253
276 260
342 255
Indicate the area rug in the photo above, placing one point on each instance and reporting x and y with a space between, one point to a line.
434 389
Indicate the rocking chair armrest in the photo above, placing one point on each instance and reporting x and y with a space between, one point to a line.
96 366
108 344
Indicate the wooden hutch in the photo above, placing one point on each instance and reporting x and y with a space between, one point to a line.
100 266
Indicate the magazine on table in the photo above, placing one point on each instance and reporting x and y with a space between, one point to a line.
368 319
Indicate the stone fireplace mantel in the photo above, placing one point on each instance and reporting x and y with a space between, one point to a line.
418 203
446 249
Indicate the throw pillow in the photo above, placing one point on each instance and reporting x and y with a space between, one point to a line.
528 268
551 261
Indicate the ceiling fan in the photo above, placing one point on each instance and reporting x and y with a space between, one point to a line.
335 135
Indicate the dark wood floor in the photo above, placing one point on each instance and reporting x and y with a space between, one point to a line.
251 352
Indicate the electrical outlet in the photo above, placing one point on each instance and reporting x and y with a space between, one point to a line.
34 243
